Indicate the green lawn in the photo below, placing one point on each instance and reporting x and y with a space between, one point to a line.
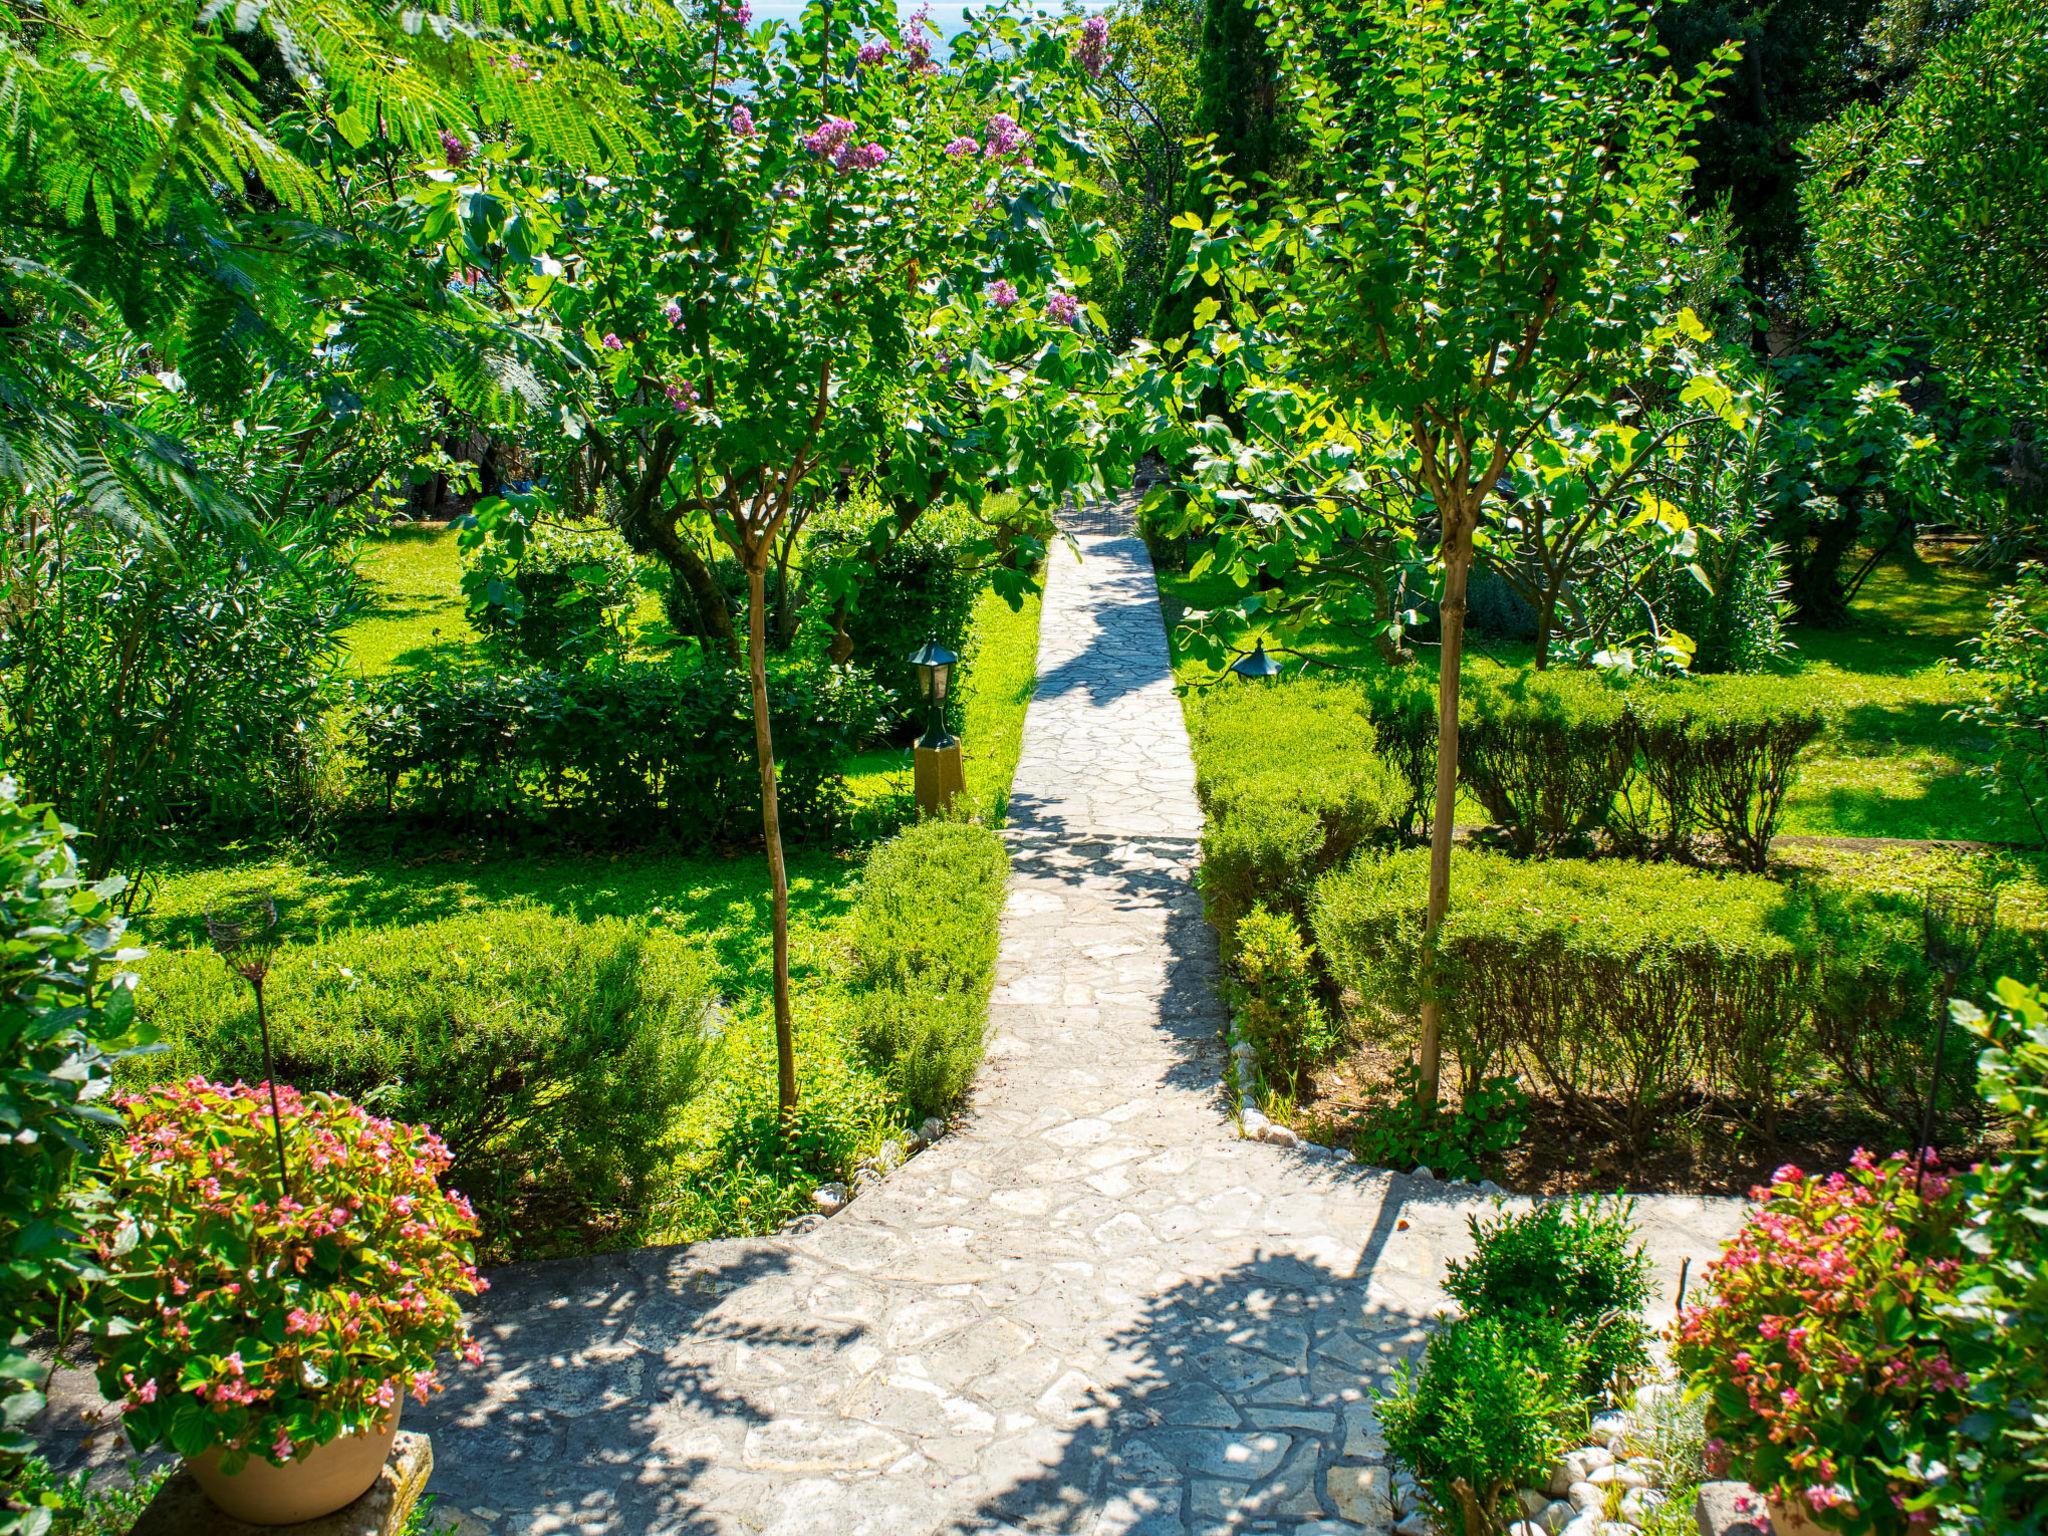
1890 765
716 903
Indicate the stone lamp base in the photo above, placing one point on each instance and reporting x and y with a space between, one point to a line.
180 1509
939 777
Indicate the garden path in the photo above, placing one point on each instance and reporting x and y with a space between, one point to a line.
1091 1308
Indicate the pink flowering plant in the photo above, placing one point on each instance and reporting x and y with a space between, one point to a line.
1822 1349
267 1318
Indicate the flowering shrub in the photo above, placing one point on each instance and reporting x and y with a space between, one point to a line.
1822 1349
268 1323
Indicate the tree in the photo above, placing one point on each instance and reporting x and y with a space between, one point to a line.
1485 249
1932 218
832 258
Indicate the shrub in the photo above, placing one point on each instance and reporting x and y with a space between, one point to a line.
1716 756
1574 1263
264 1310
550 1053
1495 1404
1729 599
1291 785
1402 705
1545 754
1621 987
145 689
1273 996
66 1018
561 599
899 587
638 747
1463 1141
2001 1298
1829 1381
2009 673
924 952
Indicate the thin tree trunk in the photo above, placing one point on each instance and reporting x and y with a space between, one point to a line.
1457 572
771 831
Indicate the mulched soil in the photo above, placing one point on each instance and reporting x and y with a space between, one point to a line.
1709 1148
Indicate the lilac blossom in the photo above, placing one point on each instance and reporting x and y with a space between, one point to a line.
1005 138
673 312
612 343
1002 293
962 146
1094 50
681 394
743 122
874 52
1062 308
833 140
453 146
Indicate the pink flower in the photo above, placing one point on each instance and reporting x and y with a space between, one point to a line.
743 122
1005 138
1002 293
830 137
874 52
300 1321
961 146
681 394
1063 309
611 344
281 1448
1094 50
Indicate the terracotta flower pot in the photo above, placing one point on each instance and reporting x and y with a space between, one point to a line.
324 1479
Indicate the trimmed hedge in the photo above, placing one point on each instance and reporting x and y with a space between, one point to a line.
640 745
1620 987
550 1053
1626 988
1291 784
1717 757
924 955
1555 755
1545 753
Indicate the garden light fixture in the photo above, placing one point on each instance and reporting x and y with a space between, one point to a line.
1257 665
934 665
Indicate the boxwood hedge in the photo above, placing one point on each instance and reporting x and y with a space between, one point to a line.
1291 783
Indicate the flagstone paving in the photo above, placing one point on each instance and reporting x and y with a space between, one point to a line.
1092 1308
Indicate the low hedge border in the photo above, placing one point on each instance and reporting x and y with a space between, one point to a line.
1556 756
1627 988
1291 785
924 933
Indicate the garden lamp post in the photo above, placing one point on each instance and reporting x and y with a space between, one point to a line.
1258 665
939 777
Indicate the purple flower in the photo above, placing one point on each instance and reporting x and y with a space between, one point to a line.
743 122
833 140
612 343
875 52
673 311
744 15
1005 138
961 146
1002 293
1094 50
681 393
453 146
1062 308
829 137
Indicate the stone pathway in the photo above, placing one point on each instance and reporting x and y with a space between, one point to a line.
1091 1309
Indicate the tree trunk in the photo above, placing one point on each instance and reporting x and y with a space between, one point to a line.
1544 610
1457 573
771 833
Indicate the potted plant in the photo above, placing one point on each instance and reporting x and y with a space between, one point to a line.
282 1269
1822 1348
